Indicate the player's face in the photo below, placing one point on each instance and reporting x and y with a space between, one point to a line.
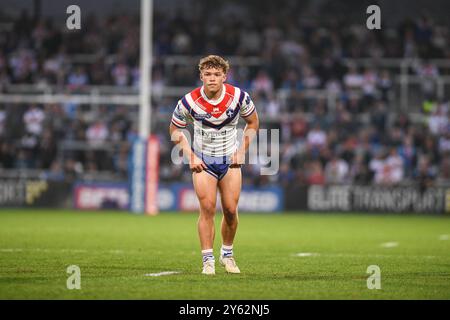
212 79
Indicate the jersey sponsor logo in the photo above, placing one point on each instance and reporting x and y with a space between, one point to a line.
198 116
211 134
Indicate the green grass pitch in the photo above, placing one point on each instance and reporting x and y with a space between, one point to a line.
115 251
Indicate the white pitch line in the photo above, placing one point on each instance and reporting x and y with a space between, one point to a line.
306 254
116 251
164 273
352 255
70 250
58 250
392 244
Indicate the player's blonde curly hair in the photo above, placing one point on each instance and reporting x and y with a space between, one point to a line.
213 61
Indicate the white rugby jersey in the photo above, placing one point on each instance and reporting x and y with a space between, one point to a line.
214 121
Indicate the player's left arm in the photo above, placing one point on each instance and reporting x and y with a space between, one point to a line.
250 131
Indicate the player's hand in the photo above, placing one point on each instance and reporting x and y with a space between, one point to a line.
196 164
237 159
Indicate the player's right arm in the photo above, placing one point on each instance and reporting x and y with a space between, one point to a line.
179 121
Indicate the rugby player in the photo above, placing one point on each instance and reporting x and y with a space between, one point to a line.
215 157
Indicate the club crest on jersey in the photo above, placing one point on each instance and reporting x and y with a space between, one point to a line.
198 116
215 111
229 113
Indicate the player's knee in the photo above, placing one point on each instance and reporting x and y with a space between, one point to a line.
208 208
230 214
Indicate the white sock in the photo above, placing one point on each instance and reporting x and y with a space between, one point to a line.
226 251
207 255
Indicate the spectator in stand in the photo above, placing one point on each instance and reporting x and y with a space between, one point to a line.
55 172
395 167
369 86
34 119
438 121
314 173
428 73
286 176
309 78
385 85
77 79
97 133
262 84
336 171
424 173
430 149
292 81
444 143
444 170
121 73
5 80
359 173
379 116
7 155
316 138
353 79
409 155
272 109
334 86
47 149
377 167
2 121
23 64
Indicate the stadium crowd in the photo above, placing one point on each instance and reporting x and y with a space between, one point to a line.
358 140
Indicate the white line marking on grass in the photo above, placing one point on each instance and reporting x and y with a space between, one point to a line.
392 244
68 250
164 273
444 237
369 255
306 254
58 250
116 251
